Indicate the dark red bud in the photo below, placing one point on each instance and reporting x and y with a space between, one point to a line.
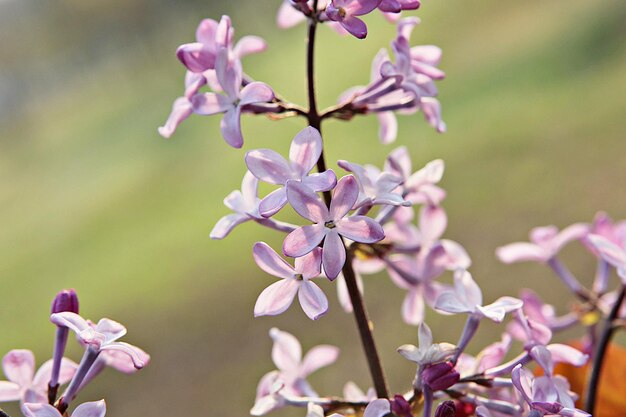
66 300
446 409
440 376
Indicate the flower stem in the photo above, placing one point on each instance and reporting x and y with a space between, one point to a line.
363 323
600 353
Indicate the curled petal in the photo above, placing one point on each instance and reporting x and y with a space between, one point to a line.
432 112
312 299
111 329
181 110
123 362
276 298
269 261
70 320
196 57
273 202
226 224
136 355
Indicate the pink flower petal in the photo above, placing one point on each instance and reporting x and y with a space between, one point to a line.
388 130
226 224
413 306
286 352
121 362
268 166
432 113
344 196
306 203
305 150
334 255
111 329
249 45
310 265
42 377
467 289
609 251
573 232
10 391
210 103
567 354
181 110
273 202
430 54
269 261
231 127
317 358
521 251
40 410
19 366
276 298
206 32
312 299
90 409
377 408
134 353
70 320
303 240
196 57
288 16
256 92
360 229
433 221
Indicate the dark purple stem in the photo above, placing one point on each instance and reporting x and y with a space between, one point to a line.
600 353
364 325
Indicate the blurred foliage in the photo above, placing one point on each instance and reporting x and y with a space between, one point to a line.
92 198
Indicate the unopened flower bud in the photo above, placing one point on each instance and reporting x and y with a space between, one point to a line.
65 300
440 376
446 409
400 406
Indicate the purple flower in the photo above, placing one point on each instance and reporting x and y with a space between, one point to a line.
229 74
420 186
90 409
102 337
346 11
427 353
23 383
290 379
440 376
270 167
375 187
330 224
546 242
181 110
276 298
244 203
396 6
210 38
546 394
611 253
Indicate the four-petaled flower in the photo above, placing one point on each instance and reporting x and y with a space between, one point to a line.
375 186
90 409
330 224
276 298
346 11
271 167
244 203
229 75
23 383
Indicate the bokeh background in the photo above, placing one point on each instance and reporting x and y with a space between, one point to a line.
92 198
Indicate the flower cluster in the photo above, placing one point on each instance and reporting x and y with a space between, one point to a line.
37 392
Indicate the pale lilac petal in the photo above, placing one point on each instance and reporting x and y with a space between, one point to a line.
193 83
388 130
377 408
287 351
344 196
567 354
449 302
610 252
519 252
314 410
457 255
522 380
39 410
429 54
90 409
206 32
276 298
288 16
433 222
494 354
306 203
310 265
467 289
413 306
210 103
249 45
122 362
482 411
10 391
355 26
323 181
273 202
249 189
361 7
134 353
196 57
303 240
573 232
496 310
42 377
226 224
269 261
268 166
360 229
432 112
312 299
424 336
334 254
305 150
19 366
181 110
428 70
111 329
231 127
229 73
70 320
318 357
256 92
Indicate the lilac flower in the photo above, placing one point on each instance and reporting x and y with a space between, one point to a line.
490 357
276 298
468 298
23 383
210 38
290 378
181 110
244 203
545 394
428 353
90 409
346 11
611 253
229 74
65 300
101 338
330 224
270 167
375 187
396 6
546 242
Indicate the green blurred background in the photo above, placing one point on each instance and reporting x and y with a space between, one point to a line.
92 198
